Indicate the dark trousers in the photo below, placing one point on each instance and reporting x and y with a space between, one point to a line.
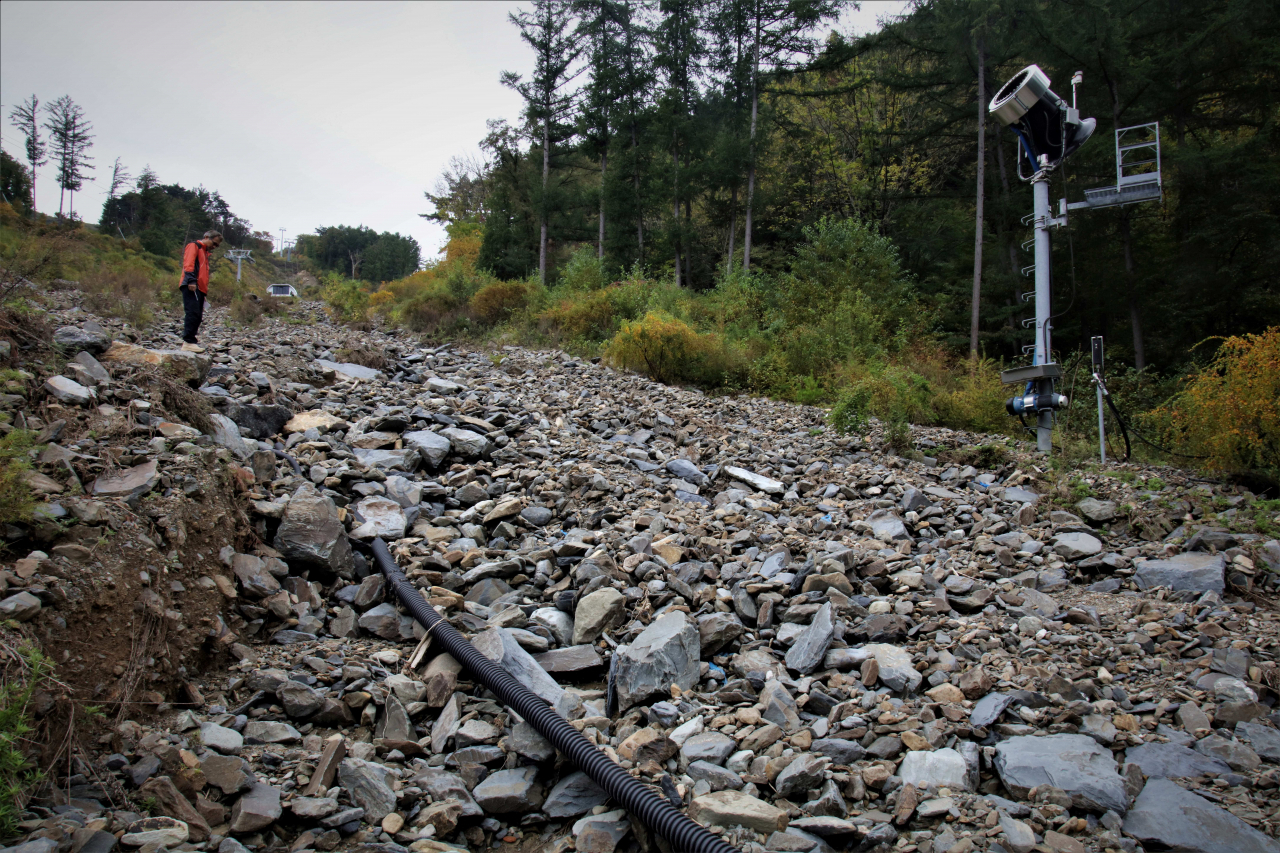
193 303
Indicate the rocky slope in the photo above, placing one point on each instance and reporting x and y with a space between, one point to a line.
812 645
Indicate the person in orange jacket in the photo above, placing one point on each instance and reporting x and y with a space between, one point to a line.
195 286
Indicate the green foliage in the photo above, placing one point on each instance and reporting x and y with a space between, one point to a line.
16 499
361 252
164 218
347 300
583 272
15 183
668 350
23 675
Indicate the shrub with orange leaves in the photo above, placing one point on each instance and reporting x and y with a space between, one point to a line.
497 301
1229 412
668 350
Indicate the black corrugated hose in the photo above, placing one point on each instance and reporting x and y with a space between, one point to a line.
657 814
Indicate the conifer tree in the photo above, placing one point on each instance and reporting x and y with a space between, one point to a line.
25 117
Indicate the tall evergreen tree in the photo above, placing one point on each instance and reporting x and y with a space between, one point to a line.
120 178
72 137
26 118
547 105
679 53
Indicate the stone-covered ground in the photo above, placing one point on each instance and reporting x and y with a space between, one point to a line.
814 645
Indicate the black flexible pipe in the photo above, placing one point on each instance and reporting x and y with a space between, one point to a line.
657 814
297 469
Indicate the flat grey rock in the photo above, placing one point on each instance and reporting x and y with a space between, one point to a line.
1198 572
759 482
312 534
431 446
573 795
369 786
1074 763
1168 817
1264 740
347 370
940 767
1173 761
807 652
500 646
989 708
510 792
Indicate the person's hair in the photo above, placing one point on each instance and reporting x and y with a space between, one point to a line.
211 235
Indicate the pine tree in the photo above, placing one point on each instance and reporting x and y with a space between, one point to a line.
120 178
547 30
72 138
25 117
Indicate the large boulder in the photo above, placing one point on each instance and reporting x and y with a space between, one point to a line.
467 443
596 613
90 337
1074 763
311 533
188 367
942 768
1166 816
667 652
368 785
258 420
1197 572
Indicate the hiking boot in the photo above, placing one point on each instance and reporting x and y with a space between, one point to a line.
192 348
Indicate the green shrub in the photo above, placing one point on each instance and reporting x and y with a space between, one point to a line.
16 499
668 350
497 301
584 272
23 673
346 299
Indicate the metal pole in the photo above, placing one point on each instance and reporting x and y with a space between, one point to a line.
1096 346
237 268
1040 191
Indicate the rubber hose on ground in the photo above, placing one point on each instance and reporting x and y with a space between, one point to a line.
297 469
654 812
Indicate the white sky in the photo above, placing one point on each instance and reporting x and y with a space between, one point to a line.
300 114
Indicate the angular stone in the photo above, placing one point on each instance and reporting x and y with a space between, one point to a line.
805 772
667 652
382 517
446 787
886 525
1173 761
317 419
467 443
712 747
573 795
717 630
271 731
573 660
989 708
510 792
647 744
1168 817
807 652
171 803
896 669
226 433
1198 572
227 773
1264 740
383 620
1096 511
347 370
432 447
313 808
20 607
66 390
188 367
311 533
501 646
839 750
220 738
942 768
1074 763
779 706
161 831
405 459
257 808
1076 546
368 785
90 337
255 579
734 808
1235 754
596 613
128 484
758 482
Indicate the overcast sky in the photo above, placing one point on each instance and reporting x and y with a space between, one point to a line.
300 114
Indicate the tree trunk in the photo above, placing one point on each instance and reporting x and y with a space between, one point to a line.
977 236
546 172
675 207
604 158
635 177
733 228
751 151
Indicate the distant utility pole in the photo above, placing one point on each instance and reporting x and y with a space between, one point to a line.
282 241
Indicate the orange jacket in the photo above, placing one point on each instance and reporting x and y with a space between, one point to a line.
195 266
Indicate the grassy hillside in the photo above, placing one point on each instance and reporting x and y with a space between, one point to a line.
119 277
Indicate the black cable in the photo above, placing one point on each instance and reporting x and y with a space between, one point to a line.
1124 430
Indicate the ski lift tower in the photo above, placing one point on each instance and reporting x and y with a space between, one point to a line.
1048 132
240 255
